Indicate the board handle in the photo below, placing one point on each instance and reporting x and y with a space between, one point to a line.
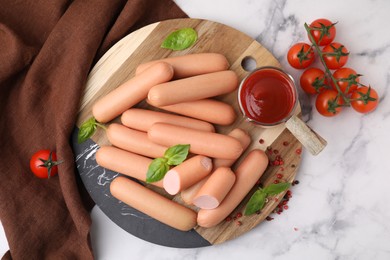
305 135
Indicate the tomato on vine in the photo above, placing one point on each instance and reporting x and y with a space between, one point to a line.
312 80
300 55
323 31
364 99
329 103
336 89
347 79
44 163
335 55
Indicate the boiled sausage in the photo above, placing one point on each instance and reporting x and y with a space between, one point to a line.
247 174
205 143
131 92
153 204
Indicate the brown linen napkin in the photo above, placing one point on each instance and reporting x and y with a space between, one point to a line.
46 51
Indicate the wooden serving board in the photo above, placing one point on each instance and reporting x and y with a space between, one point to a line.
119 63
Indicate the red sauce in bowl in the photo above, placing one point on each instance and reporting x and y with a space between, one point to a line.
267 96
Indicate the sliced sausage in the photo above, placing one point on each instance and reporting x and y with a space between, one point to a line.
247 174
131 92
142 119
215 189
187 173
188 194
153 204
204 143
124 162
134 141
193 88
192 64
209 110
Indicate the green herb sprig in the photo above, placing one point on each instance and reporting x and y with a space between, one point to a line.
180 39
88 129
259 198
173 156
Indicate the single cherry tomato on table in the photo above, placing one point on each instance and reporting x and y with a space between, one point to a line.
44 164
335 55
347 80
325 28
329 103
312 80
364 99
300 55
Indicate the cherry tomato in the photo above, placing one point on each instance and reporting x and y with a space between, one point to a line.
300 55
312 80
44 164
336 55
325 27
364 99
328 103
346 78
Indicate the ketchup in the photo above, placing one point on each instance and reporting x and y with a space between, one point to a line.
267 96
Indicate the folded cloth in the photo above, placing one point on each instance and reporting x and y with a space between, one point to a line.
47 49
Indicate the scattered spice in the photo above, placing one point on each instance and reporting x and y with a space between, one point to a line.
239 223
228 219
279 175
276 181
268 218
239 215
285 143
276 151
296 182
261 141
283 203
277 161
298 151
295 229
269 150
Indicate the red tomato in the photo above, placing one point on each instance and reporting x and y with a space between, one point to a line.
364 99
312 80
328 103
44 164
324 27
346 78
336 55
300 55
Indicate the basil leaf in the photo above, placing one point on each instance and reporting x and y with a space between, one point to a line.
87 129
274 189
180 39
256 202
157 170
177 154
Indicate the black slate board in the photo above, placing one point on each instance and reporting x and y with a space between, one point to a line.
97 181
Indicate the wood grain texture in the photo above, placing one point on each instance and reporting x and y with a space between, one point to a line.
119 63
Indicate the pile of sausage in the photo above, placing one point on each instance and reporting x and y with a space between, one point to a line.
185 86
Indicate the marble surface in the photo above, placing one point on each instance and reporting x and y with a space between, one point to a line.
339 210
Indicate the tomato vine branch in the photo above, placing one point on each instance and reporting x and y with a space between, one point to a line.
327 70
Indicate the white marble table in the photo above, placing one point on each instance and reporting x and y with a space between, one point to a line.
340 209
